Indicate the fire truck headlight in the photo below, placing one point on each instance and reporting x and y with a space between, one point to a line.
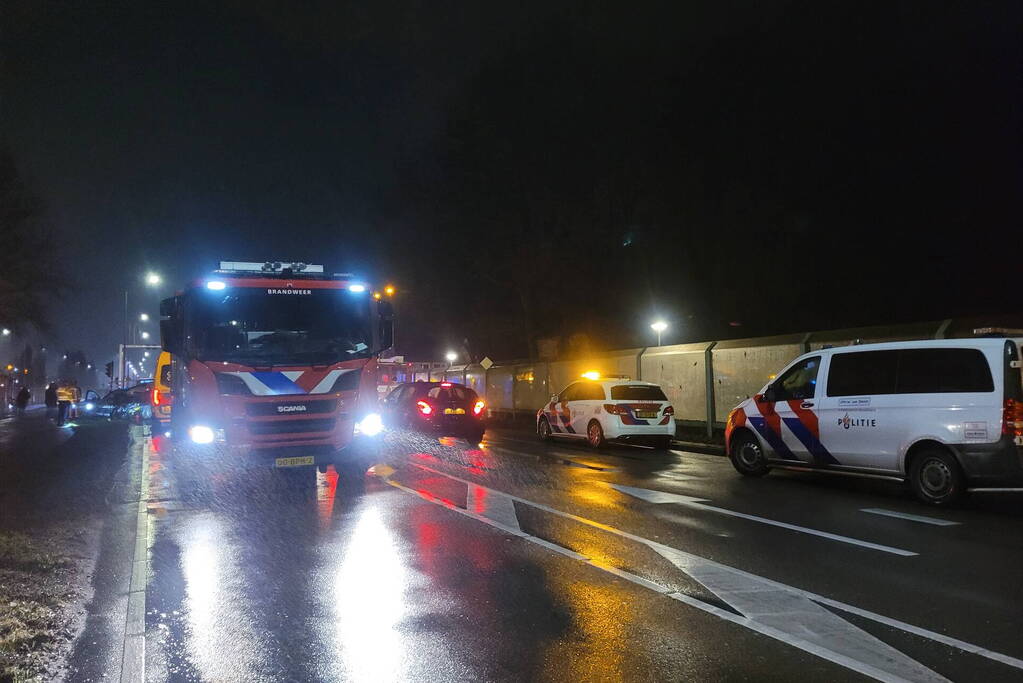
201 434
371 425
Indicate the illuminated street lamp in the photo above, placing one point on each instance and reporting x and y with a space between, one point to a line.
6 332
145 335
659 326
152 279
144 317
451 356
389 290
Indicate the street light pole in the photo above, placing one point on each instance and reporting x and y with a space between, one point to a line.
659 326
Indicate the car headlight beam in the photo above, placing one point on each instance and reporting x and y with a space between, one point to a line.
201 434
371 425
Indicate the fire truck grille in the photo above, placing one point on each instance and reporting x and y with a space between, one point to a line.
291 426
266 409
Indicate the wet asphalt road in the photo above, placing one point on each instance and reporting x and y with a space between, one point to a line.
515 560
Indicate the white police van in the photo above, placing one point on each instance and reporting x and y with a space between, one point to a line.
944 415
598 409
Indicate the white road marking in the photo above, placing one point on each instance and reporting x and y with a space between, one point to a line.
660 497
913 518
133 657
797 620
661 548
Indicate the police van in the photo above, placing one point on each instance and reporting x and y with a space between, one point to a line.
946 416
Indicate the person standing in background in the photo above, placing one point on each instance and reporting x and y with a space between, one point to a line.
21 401
65 396
51 400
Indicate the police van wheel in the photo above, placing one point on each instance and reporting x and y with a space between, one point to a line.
595 435
543 429
935 477
747 456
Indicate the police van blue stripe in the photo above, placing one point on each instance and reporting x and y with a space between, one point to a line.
772 439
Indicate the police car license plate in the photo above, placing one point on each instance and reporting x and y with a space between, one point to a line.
297 461
646 413
454 411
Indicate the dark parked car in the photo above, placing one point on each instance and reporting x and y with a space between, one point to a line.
126 404
439 407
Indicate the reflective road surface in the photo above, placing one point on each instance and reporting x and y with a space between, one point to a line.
516 560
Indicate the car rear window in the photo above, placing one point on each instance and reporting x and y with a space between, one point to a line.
452 393
637 392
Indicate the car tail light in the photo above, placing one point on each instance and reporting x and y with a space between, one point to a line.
669 410
445 384
613 409
1012 418
156 397
424 407
478 407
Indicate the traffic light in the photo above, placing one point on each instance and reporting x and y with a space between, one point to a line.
110 369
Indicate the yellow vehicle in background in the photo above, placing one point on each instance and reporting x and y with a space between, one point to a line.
161 397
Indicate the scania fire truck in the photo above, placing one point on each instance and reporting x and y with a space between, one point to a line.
274 364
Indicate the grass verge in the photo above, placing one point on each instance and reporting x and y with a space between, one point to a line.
36 595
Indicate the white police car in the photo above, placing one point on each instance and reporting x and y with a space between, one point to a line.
943 415
598 409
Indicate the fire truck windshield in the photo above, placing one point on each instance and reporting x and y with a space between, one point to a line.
256 326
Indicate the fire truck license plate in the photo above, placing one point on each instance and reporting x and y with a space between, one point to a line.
294 462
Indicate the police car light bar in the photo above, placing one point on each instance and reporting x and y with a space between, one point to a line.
268 267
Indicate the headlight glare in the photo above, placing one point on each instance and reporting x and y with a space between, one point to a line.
201 434
371 425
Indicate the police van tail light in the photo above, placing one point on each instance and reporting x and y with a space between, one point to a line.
669 410
1012 418
612 409
156 397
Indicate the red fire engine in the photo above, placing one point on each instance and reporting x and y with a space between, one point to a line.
275 363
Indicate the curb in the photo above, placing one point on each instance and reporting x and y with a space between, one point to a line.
708 448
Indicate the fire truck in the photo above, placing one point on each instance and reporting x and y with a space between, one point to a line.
275 364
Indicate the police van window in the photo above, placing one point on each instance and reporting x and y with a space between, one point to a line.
571 393
863 373
637 392
591 392
939 371
798 382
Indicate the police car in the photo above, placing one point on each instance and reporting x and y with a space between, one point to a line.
944 415
598 409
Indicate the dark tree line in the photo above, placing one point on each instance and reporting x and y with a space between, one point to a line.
30 274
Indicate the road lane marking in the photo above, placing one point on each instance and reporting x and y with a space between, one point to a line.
797 620
661 497
133 656
950 641
913 518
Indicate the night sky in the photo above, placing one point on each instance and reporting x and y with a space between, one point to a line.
528 170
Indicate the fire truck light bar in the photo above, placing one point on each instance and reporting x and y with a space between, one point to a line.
268 267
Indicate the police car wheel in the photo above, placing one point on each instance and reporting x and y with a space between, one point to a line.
595 434
543 429
935 477
747 456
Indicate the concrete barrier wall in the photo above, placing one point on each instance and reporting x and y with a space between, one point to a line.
743 366
735 368
681 370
